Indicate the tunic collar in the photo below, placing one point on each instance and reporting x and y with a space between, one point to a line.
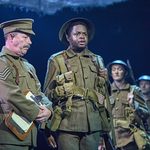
85 53
115 88
6 51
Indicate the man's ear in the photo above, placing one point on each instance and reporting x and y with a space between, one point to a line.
11 35
126 73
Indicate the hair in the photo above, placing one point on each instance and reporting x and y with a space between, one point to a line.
12 33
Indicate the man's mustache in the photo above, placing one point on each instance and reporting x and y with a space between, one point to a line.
27 46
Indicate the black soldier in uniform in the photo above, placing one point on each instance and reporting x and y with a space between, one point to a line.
76 81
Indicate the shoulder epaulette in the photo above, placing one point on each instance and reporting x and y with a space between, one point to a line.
94 55
24 59
135 88
100 61
2 55
137 94
30 66
56 54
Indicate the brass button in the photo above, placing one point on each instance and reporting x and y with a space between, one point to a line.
117 99
86 77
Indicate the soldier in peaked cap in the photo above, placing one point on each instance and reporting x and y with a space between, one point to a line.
18 25
128 108
17 76
75 84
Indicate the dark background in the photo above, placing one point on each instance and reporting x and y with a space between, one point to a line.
122 32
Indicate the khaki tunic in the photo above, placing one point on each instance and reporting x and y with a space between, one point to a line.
85 115
16 77
148 120
121 115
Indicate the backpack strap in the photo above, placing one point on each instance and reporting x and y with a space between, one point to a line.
66 61
138 97
63 63
98 62
132 88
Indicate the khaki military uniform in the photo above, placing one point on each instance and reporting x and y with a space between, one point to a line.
85 116
16 77
124 115
147 102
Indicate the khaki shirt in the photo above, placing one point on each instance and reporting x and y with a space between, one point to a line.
17 76
84 116
148 120
124 114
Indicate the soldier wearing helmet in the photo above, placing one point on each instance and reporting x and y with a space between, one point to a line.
74 84
144 84
128 108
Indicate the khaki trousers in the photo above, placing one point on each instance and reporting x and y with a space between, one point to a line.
15 147
78 141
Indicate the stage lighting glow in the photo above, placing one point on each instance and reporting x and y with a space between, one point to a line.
52 6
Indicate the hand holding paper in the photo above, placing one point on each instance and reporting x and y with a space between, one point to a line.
44 114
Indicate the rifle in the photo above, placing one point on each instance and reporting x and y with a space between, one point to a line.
131 72
108 141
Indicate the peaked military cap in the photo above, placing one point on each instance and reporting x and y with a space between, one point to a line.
68 24
18 25
117 62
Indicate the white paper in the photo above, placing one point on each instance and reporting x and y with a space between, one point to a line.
23 124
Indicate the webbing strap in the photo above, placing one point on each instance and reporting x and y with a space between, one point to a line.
67 62
62 61
16 69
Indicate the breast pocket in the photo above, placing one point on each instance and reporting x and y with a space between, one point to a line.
76 74
19 77
125 108
93 70
125 103
32 81
92 75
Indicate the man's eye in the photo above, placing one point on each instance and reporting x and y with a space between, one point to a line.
76 34
85 34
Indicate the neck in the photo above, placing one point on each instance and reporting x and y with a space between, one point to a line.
120 84
146 96
78 49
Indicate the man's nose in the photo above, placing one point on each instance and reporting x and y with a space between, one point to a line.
82 35
29 40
